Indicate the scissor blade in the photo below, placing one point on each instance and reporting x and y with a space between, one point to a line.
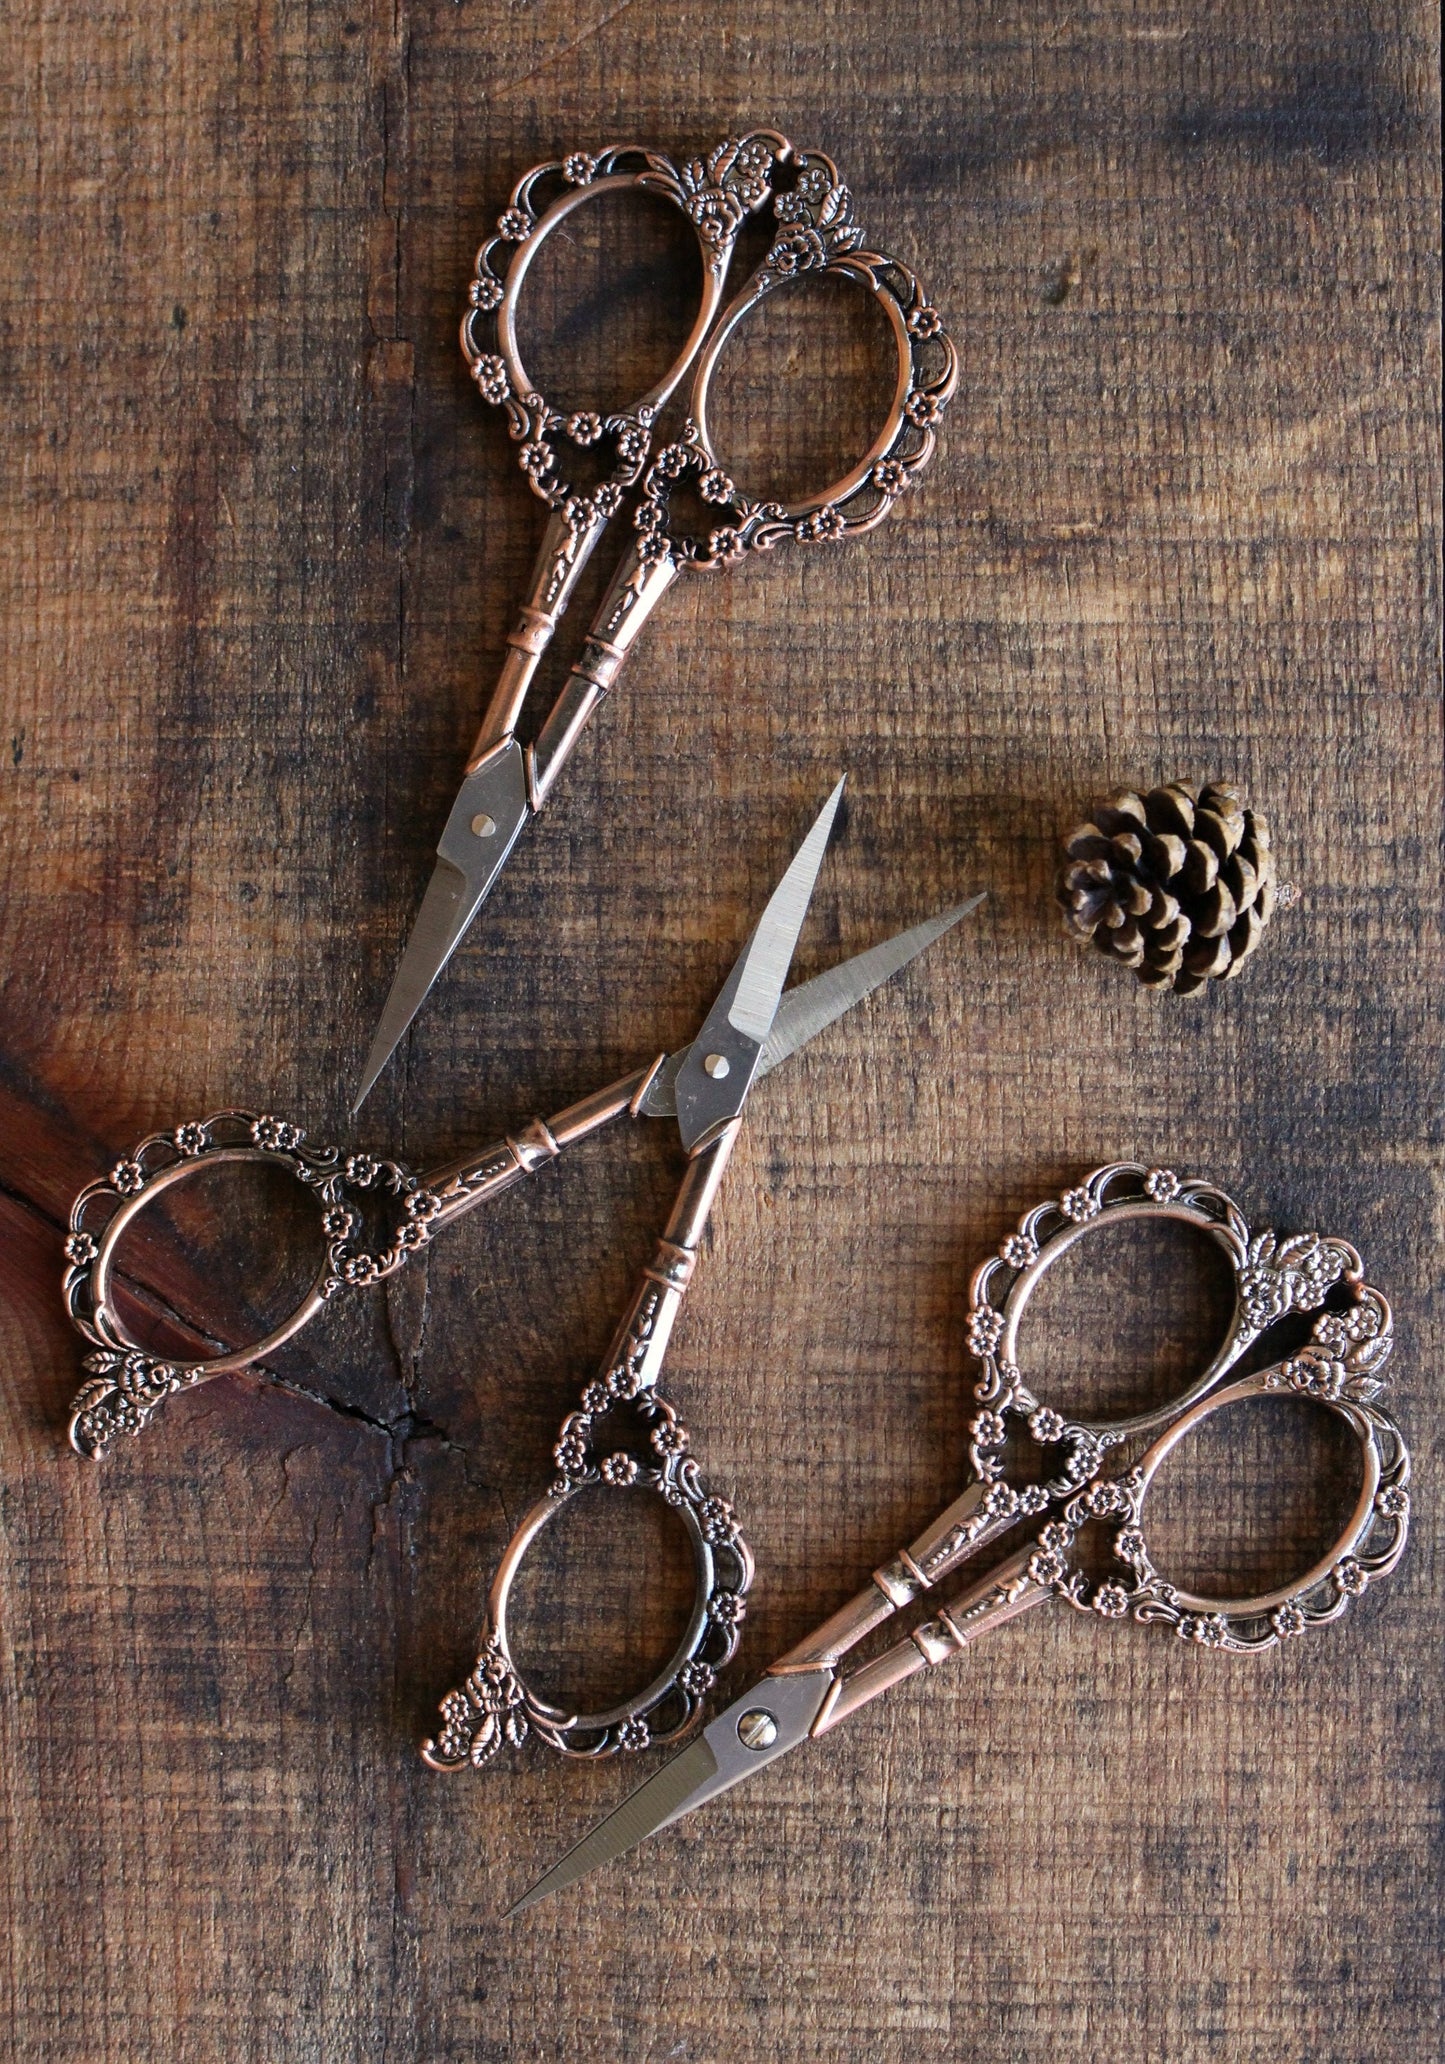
714 1763
471 858
713 1082
812 1006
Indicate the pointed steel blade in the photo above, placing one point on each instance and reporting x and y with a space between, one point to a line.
486 818
714 1080
780 1712
812 1006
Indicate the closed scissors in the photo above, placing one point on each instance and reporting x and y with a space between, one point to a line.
507 783
807 1692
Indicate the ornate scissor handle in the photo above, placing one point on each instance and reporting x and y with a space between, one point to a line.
127 1381
1272 1277
816 233
1370 1546
624 1436
716 196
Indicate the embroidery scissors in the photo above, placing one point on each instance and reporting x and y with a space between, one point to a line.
807 1692
507 783
751 1028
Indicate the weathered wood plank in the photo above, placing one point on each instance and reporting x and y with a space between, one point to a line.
259 545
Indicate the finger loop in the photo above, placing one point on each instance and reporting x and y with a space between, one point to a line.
495 1707
126 1381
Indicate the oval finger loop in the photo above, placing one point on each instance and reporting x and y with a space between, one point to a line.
495 1707
1272 1277
126 1381
1370 1546
715 194
817 234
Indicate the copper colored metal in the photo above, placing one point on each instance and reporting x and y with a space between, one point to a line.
815 234
807 1692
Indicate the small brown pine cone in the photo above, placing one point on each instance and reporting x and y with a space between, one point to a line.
1177 884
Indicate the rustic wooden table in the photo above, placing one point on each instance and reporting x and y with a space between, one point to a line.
259 544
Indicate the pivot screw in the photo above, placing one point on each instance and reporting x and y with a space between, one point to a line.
757 1729
484 826
717 1066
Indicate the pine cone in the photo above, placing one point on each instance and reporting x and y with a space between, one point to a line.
1178 886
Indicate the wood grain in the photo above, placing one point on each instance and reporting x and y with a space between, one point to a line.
259 544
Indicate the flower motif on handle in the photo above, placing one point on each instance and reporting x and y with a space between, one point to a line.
989 1430
824 524
1288 1275
490 374
719 1521
985 1330
798 249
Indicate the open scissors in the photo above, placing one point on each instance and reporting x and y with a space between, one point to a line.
751 1028
806 1692
507 783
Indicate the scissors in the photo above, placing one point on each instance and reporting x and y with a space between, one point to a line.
806 1692
750 1029
507 783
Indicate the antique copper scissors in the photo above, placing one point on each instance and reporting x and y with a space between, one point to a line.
807 1692
507 783
750 1029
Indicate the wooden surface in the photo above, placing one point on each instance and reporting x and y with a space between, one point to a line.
259 543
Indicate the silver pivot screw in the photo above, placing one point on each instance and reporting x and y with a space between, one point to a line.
757 1729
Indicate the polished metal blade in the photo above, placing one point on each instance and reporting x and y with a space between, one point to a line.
714 1080
471 856
777 1713
812 1006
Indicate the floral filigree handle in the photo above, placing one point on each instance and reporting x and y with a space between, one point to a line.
716 194
495 1707
1370 1546
624 1436
816 232
1272 1277
127 1381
